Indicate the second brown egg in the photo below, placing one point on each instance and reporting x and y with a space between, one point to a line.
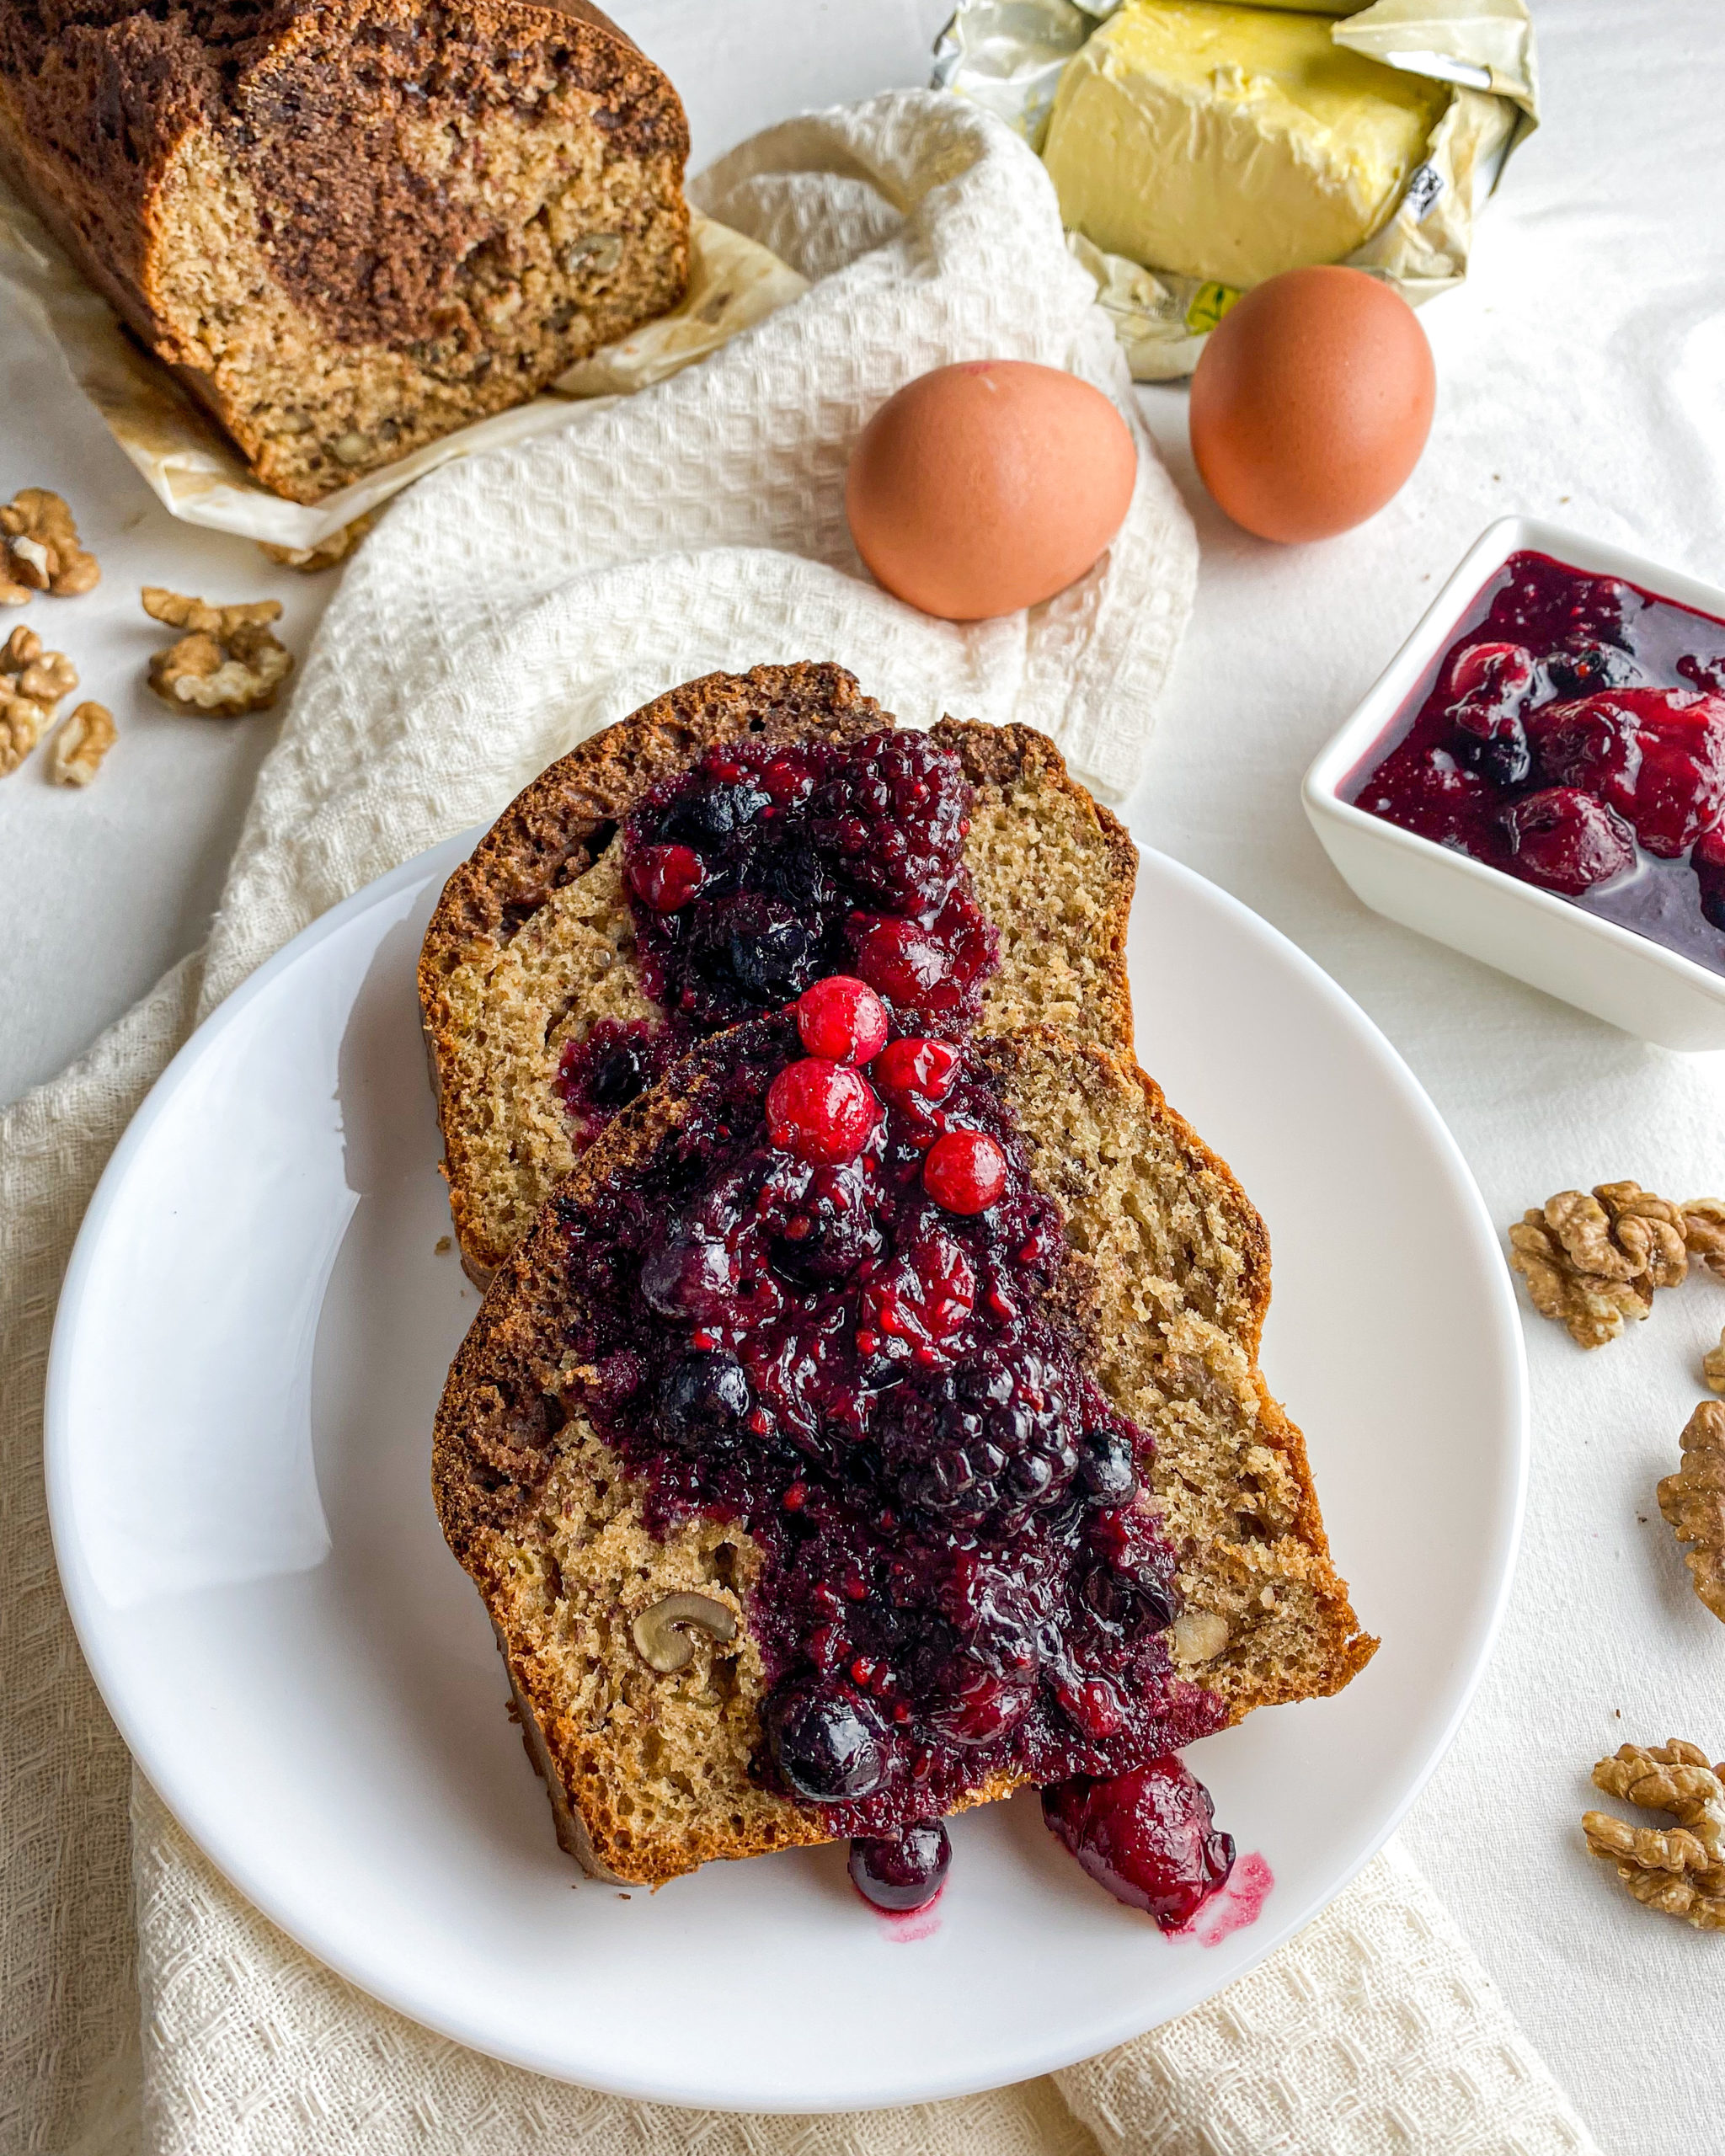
1312 402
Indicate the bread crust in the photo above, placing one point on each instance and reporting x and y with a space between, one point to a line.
1009 756
499 1429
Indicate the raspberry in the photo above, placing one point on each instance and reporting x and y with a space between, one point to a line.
666 877
965 1172
821 1110
842 1019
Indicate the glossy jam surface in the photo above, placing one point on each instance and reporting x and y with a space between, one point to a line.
762 869
1148 1836
961 1578
1573 735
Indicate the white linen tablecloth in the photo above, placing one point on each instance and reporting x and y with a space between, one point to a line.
503 610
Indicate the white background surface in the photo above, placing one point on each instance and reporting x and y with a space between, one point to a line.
1581 376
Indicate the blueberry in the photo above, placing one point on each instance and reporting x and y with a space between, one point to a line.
715 813
824 1746
904 1871
1585 668
1505 760
702 1400
618 1076
770 952
1105 1468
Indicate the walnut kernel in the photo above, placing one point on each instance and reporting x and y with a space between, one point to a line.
1200 1636
75 754
39 550
229 663
32 682
1713 1366
1693 1501
1679 1871
1592 1260
1704 1232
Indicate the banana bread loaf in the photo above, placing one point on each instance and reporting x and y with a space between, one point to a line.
351 226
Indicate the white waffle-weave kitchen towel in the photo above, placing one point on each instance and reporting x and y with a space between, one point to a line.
504 608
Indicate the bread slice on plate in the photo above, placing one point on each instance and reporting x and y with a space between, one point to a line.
646 1610
535 939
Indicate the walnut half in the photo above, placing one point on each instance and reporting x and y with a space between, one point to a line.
229 663
1591 1260
1680 1871
32 682
40 551
1693 1501
75 754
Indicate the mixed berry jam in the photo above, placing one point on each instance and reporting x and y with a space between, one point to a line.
765 867
604 1070
798 1320
1573 735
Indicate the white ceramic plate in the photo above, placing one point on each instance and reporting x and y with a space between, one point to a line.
252 1338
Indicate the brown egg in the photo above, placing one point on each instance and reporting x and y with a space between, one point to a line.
1312 402
989 486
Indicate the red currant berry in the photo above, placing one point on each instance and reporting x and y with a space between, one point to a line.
965 1172
843 1019
822 1112
912 1074
666 877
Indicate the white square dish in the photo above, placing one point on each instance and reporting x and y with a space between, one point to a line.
1613 972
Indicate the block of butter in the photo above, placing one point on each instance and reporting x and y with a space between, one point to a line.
1231 142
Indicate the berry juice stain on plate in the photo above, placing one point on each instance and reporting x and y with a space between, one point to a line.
1238 1903
1573 736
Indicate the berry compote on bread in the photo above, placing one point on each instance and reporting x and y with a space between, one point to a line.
870 1425
709 858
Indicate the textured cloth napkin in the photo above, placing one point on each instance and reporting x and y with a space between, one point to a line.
506 607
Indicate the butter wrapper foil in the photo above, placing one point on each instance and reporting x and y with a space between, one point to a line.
200 477
1009 55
